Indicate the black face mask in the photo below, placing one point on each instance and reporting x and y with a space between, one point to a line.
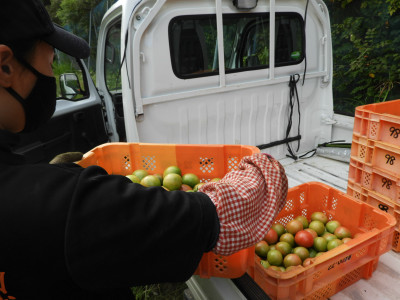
40 105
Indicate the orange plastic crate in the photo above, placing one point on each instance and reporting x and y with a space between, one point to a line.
362 149
379 121
375 180
383 203
387 158
376 154
339 267
206 161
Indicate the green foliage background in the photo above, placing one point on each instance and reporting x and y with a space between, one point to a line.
83 18
72 13
366 58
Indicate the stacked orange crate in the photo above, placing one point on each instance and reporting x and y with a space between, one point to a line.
374 172
340 267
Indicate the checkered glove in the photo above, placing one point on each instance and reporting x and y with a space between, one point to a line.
247 201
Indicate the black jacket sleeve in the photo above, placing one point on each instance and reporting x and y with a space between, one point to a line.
121 234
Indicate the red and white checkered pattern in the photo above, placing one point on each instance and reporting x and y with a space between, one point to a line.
247 201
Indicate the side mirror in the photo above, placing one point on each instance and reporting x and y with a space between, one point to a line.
69 85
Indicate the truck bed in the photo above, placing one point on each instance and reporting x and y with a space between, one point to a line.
384 281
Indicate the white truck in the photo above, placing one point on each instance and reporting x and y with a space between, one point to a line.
214 72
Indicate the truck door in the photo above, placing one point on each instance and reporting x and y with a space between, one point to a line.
78 123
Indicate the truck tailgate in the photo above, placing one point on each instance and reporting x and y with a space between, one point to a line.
384 281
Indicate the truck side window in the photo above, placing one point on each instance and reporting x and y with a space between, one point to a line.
289 39
112 59
193 43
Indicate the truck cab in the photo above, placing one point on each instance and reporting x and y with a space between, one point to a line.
208 73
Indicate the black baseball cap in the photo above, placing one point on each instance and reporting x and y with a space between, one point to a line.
29 20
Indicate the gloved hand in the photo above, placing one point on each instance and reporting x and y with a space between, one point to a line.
67 157
247 201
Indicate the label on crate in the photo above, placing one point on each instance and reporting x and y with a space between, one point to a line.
394 132
341 261
386 183
383 207
390 159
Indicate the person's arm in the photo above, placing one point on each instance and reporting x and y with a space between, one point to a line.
121 234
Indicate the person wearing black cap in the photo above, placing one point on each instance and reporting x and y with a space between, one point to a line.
73 233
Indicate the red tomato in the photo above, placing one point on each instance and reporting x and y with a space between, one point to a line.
271 237
304 238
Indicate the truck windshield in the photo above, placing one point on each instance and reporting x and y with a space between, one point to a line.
194 51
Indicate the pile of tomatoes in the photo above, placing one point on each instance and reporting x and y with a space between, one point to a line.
285 247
